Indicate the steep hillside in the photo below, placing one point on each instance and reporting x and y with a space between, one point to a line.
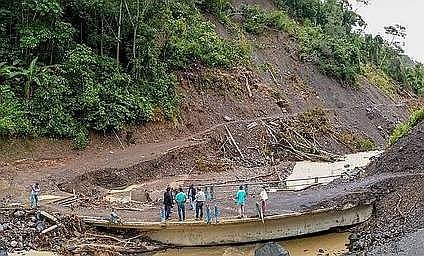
279 93
399 207
404 156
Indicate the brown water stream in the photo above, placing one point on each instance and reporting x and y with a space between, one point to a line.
331 244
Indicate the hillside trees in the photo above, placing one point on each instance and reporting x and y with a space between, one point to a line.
68 67
329 33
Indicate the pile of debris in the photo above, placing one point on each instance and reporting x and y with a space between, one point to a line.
26 230
269 140
399 209
23 229
407 155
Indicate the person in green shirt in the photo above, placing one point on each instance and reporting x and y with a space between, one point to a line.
181 199
241 200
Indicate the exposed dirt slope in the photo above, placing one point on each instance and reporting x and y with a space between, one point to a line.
407 155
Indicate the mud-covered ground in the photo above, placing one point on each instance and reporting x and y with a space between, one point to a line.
399 210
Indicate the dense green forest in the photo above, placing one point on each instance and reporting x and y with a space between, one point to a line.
71 66
68 67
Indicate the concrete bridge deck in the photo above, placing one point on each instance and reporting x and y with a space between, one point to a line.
231 231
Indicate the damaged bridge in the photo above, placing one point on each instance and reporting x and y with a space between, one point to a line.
233 231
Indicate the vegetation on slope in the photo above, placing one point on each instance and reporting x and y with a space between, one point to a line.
404 128
68 67
330 35
71 66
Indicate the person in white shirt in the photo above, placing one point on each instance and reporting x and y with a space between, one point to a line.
264 197
35 192
200 199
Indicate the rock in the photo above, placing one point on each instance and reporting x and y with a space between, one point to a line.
354 237
19 214
271 249
13 243
40 226
228 119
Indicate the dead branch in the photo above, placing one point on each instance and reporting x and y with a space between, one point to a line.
47 230
273 77
107 237
248 87
234 142
48 216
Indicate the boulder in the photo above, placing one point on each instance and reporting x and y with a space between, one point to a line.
19 214
271 249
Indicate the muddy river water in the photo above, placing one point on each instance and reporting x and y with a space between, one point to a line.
327 244
324 170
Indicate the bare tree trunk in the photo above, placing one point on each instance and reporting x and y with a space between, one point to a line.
135 29
119 32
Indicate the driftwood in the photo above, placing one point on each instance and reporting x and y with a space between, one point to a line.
132 209
106 237
293 142
110 248
47 230
48 216
234 141
248 87
119 140
273 77
240 180
64 199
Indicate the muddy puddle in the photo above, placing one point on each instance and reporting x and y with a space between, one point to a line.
327 244
322 170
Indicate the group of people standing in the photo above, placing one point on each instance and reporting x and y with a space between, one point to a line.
241 197
197 199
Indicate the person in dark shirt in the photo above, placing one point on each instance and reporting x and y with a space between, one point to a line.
168 202
192 196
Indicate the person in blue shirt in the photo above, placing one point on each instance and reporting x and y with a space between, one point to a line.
241 200
181 199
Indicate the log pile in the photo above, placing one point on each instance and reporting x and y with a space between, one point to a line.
27 229
295 137
24 229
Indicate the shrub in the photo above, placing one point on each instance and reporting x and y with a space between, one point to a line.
105 97
196 40
13 119
220 8
364 145
257 20
80 140
404 128
415 78
380 79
